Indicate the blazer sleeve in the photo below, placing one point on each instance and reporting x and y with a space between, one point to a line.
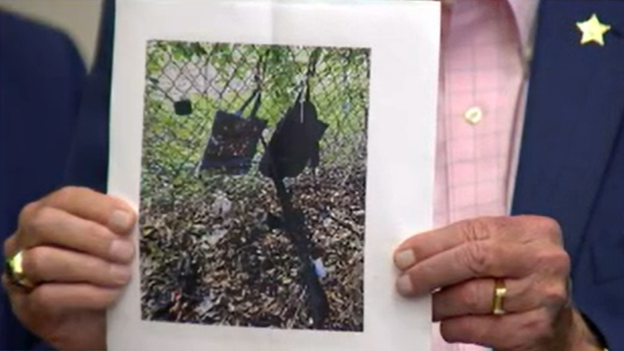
41 79
88 160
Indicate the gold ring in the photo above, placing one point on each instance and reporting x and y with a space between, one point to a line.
14 269
500 290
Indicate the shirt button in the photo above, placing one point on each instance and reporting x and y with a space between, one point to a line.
473 115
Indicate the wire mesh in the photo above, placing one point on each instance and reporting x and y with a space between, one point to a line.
210 251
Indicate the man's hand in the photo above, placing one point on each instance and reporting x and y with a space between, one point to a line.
459 265
76 251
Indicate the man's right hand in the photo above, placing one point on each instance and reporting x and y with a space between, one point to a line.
76 250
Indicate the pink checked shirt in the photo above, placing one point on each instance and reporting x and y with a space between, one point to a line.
486 47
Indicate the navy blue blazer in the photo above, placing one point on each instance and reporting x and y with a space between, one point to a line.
572 155
41 78
571 161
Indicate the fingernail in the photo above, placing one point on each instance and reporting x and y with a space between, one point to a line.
122 250
404 285
120 274
405 259
120 221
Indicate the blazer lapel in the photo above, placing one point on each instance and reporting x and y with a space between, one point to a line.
573 116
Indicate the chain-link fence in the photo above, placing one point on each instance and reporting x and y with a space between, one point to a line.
213 248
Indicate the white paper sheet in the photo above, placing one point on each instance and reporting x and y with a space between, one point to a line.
403 38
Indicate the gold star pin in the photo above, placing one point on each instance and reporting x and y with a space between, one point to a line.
593 30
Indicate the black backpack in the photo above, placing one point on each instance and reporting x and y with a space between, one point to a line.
295 142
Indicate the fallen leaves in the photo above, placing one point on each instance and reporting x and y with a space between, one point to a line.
228 267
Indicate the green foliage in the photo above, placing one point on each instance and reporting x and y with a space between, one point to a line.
221 77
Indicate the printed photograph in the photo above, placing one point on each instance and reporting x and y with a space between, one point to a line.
253 185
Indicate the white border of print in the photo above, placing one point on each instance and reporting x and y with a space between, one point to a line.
404 41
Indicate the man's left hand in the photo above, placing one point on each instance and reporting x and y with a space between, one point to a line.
460 264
